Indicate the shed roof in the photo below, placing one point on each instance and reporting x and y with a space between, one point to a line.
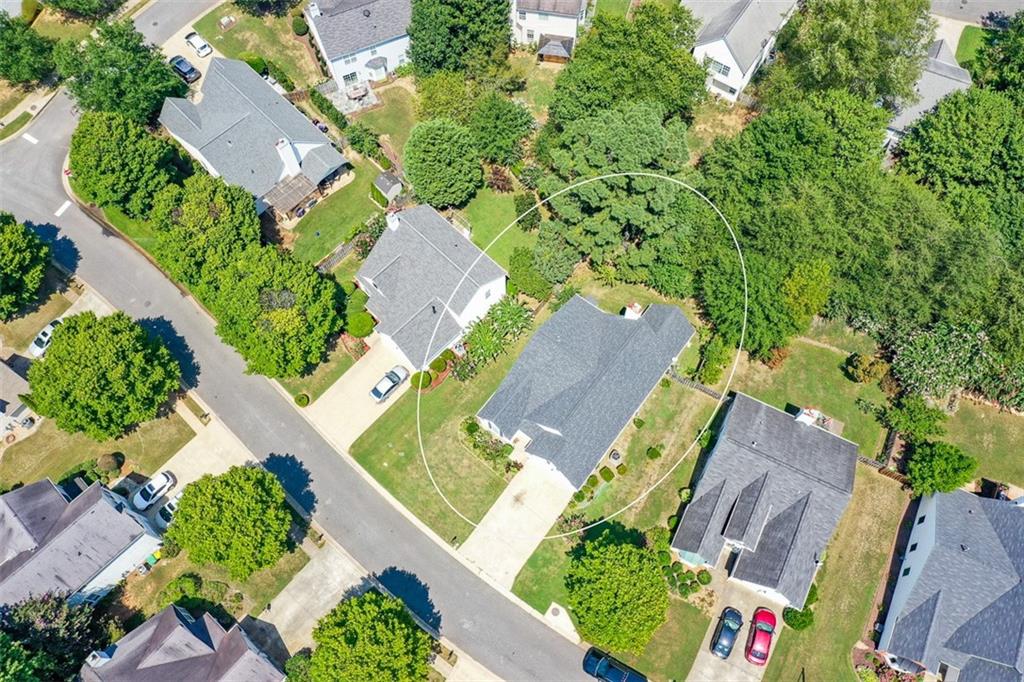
744 25
555 46
347 26
568 8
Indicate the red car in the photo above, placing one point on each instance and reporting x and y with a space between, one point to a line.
762 629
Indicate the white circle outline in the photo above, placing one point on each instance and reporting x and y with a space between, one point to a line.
707 424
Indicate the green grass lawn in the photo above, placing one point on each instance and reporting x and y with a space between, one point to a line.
855 565
19 331
670 653
995 438
53 24
52 452
19 122
836 333
346 270
489 213
333 219
139 231
813 377
269 36
540 82
395 118
10 96
323 375
971 40
613 7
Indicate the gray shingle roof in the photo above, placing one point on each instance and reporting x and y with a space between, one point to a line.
966 608
744 25
569 8
555 46
386 182
347 26
410 275
774 485
173 646
975 10
941 76
237 124
581 378
56 545
12 385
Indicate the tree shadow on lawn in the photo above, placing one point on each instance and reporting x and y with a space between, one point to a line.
295 478
414 592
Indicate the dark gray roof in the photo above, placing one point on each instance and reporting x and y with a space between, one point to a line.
12 385
410 275
941 76
174 646
581 378
555 46
48 544
237 124
386 182
774 485
966 607
347 26
744 25
568 8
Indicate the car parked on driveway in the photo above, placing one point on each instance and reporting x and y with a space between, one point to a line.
184 69
598 664
166 513
196 42
43 339
390 381
154 490
729 624
759 642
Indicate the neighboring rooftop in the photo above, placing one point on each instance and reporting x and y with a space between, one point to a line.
942 76
568 8
174 646
251 135
581 378
12 386
347 26
559 47
411 273
48 544
744 25
966 608
775 486
386 182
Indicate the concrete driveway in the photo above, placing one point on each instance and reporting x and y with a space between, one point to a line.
346 409
517 522
176 45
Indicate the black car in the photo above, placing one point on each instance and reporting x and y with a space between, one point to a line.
184 69
602 666
729 624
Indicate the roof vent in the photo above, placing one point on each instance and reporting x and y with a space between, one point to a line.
963 548
753 443
366 13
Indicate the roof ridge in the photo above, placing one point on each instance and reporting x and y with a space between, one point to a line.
786 464
465 273
806 499
819 428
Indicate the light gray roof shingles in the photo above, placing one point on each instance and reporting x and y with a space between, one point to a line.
942 76
568 8
410 275
237 124
966 607
555 46
778 487
581 378
744 25
347 26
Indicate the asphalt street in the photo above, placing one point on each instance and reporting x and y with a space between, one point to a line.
493 630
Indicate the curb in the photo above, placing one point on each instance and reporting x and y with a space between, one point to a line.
46 101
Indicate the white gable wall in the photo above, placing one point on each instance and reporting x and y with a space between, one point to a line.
485 297
353 66
527 27
725 86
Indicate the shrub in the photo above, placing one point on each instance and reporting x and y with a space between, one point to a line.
638 422
657 538
255 62
349 287
606 474
579 496
864 368
685 495
302 400
498 179
384 162
524 276
403 70
689 576
438 365
281 76
673 521
359 325
665 382
592 480
170 549
185 587
362 139
110 462
296 668
621 469
665 559
812 596
798 619
448 355
653 453
713 357
299 26
356 302
327 109
524 202
703 577
472 426
422 380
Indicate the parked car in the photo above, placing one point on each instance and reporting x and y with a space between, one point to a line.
184 69
154 490
196 42
759 642
729 624
602 666
166 513
387 385
43 339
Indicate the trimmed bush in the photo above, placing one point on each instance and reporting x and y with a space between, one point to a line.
798 619
685 495
621 470
359 325
448 355
299 26
689 576
349 287
356 302
255 62
638 422
579 496
110 462
703 577
472 427
665 382
302 400
606 474
280 75
185 587
665 559
653 453
592 480
422 380
438 365
673 522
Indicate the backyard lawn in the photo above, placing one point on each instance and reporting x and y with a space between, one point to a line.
835 333
855 565
53 24
332 220
269 36
346 270
18 332
54 453
489 213
540 82
613 7
995 438
395 118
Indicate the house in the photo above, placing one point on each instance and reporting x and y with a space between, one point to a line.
84 546
389 186
12 409
551 25
941 76
771 493
579 381
735 38
426 283
361 40
172 645
240 129
957 610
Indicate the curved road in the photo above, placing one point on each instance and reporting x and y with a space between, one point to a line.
489 627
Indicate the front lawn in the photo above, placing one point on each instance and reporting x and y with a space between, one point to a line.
53 24
489 213
971 40
18 332
333 219
395 118
855 563
50 452
672 650
269 36
995 438
323 375
10 96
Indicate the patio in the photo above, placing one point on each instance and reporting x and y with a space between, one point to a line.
344 98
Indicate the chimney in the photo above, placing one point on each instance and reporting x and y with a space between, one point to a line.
289 157
633 311
392 221
98 659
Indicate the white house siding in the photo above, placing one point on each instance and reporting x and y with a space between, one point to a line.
485 297
527 27
118 569
353 66
719 84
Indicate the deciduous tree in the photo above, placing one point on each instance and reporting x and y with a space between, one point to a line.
499 125
452 35
999 62
446 94
939 468
914 419
56 635
23 259
442 162
16 663
27 57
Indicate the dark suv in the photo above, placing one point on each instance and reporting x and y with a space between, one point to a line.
726 633
602 666
184 69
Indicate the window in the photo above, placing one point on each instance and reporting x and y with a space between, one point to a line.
350 60
522 16
912 547
920 520
719 68
529 35
351 78
906 572
373 53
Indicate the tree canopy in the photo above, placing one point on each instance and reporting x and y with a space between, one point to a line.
101 376
499 126
939 468
27 57
370 637
116 162
446 94
999 63
53 637
17 664
23 259
914 419
238 520
115 70
454 35
442 162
